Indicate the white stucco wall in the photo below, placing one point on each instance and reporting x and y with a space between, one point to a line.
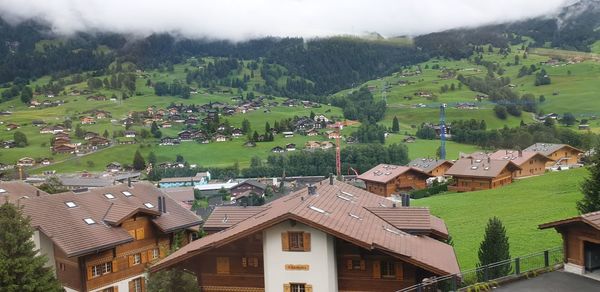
45 247
123 284
322 274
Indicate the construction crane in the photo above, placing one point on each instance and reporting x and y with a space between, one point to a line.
443 131
338 159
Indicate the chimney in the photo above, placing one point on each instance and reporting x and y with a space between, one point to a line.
331 178
520 153
393 205
406 200
164 205
312 190
160 204
37 193
471 160
129 182
489 160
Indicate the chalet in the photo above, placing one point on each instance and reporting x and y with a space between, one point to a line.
45 161
165 125
113 167
97 98
11 127
316 239
221 138
222 127
236 133
191 121
185 135
312 145
38 123
87 120
409 139
435 167
126 141
326 145
16 191
321 118
472 174
64 148
351 140
61 141
250 144
168 141
90 135
99 114
130 134
131 227
52 129
304 124
277 149
6 166
312 132
332 135
290 147
386 179
201 178
61 135
561 154
98 141
288 134
26 161
581 242
531 163
247 188
8 144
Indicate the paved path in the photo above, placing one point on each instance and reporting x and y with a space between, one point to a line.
558 281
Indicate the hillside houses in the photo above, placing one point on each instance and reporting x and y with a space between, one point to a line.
472 174
560 154
53 129
386 179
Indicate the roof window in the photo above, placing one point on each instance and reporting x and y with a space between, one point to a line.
148 205
316 209
126 194
89 221
71 204
109 196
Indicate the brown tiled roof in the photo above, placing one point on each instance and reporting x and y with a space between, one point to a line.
477 167
592 219
411 219
339 210
427 164
68 230
549 148
518 157
224 217
14 190
383 173
180 194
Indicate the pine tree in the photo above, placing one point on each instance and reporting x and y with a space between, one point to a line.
590 187
494 248
138 161
105 134
152 158
395 125
21 269
267 127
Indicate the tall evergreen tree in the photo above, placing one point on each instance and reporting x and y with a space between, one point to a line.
21 269
267 127
152 158
494 248
26 95
395 125
138 161
590 187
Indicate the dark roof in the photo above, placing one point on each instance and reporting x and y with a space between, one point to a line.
86 182
384 173
14 190
341 210
180 194
67 229
476 167
223 217
592 219
427 164
252 183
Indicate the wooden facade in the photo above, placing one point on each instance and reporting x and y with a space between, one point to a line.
566 155
476 183
441 169
125 261
536 165
409 180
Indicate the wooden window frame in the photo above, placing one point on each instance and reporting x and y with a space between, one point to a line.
137 285
101 269
137 259
297 287
388 270
296 240
155 253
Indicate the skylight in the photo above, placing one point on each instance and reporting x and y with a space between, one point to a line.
2 191
347 194
354 216
344 198
148 205
391 230
126 194
71 204
473 167
316 209
89 221
109 196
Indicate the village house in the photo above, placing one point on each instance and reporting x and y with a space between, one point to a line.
129 134
98 142
473 174
581 243
290 147
12 126
16 191
247 188
312 132
97 98
561 154
531 163
61 140
312 145
326 145
221 138
113 167
277 149
131 226
64 148
90 135
435 167
87 120
185 135
26 161
165 125
287 134
38 123
386 179
168 141
52 129
236 133
301 243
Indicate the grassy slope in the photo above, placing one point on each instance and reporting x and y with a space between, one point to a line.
521 206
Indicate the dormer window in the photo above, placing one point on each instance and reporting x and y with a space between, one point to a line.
71 204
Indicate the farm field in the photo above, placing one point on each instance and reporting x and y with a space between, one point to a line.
521 206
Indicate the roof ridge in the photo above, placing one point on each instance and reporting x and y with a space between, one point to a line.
108 210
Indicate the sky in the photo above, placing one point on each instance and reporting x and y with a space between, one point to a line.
239 20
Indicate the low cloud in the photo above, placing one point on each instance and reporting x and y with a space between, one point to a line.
245 19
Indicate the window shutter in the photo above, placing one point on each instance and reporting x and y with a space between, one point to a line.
287 288
143 283
131 262
139 233
115 266
144 257
399 271
349 264
222 265
89 273
306 241
308 288
116 289
285 241
131 286
376 270
362 265
161 251
150 253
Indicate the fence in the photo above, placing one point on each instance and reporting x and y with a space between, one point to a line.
493 272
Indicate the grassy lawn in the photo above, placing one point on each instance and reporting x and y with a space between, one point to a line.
521 206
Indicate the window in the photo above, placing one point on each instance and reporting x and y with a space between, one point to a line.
101 269
126 194
62 267
295 287
355 264
296 240
109 196
155 253
135 285
89 221
149 205
388 270
71 204
137 259
111 289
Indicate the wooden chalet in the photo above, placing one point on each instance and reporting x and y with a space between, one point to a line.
64 148
247 188
328 237
16 191
104 239
26 161
561 154
386 179
531 163
472 174
435 167
581 242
